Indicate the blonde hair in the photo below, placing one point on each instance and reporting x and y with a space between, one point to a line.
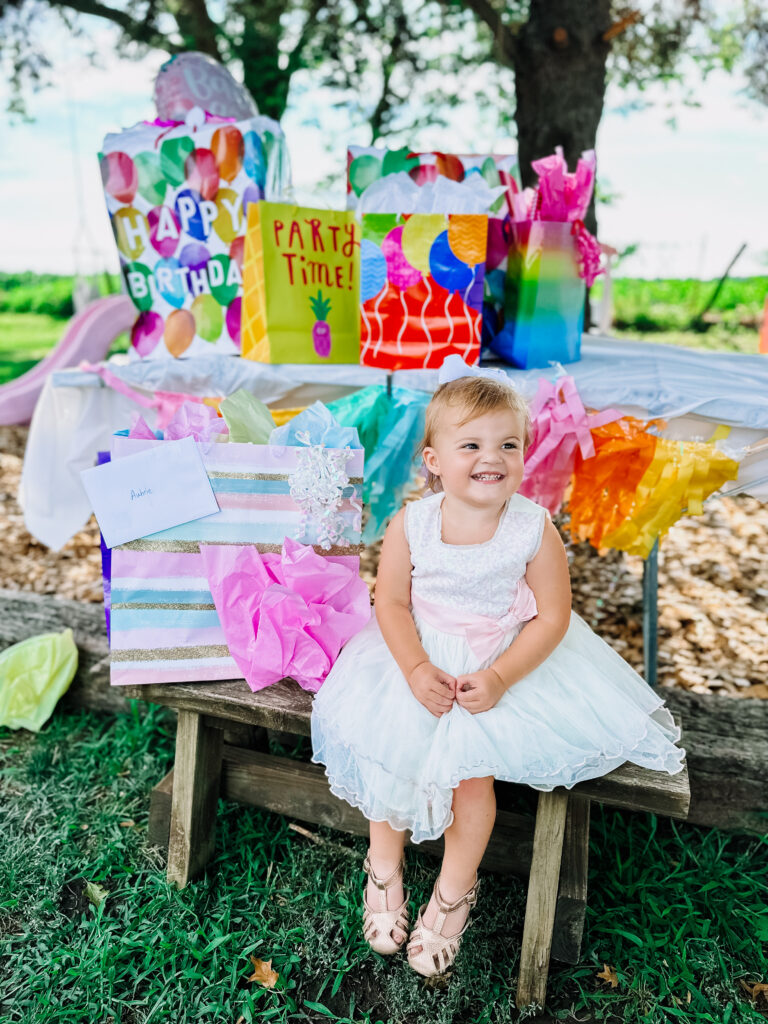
475 396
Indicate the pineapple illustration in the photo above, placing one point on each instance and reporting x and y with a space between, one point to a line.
321 332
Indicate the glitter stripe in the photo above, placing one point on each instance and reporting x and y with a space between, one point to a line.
171 653
169 607
220 475
180 546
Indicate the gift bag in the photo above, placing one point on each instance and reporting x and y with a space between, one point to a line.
177 197
544 296
421 288
300 285
366 164
164 622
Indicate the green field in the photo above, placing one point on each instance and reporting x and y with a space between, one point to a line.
34 311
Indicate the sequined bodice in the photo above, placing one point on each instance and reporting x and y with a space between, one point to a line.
478 578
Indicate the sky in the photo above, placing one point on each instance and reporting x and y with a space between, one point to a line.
686 197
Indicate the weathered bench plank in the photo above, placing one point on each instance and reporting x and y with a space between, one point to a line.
726 738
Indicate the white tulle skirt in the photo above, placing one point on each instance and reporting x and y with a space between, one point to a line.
579 715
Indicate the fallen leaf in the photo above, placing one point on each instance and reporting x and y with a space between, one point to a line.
756 992
95 893
127 824
263 973
608 974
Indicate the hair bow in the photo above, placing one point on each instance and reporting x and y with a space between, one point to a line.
454 367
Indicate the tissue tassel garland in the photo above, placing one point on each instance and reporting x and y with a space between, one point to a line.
559 425
637 485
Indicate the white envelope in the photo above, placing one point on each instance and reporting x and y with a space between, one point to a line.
155 489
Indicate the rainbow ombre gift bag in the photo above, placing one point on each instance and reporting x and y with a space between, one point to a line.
544 296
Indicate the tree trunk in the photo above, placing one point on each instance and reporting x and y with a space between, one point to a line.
559 61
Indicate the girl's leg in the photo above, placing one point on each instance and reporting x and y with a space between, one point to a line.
474 812
386 852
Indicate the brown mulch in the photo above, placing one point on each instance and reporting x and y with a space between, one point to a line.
713 585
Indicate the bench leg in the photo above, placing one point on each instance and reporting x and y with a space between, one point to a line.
196 778
572 895
542 897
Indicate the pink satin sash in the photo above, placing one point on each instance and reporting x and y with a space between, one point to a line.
483 633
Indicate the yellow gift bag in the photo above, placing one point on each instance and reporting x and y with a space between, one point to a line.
301 285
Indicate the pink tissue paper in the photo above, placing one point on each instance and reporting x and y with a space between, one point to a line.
284 615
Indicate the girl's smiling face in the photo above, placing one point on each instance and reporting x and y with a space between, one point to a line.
479 461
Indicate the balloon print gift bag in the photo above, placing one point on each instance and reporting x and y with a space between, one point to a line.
421 288
178 196
301 285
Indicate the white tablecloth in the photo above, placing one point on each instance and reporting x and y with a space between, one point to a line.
76 414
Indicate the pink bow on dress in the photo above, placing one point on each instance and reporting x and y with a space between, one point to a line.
483 633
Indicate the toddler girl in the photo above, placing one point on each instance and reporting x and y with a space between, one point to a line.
473 669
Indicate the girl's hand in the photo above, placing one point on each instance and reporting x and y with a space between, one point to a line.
480 691
433 688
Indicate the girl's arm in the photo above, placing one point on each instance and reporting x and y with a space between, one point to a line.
547 576
432 687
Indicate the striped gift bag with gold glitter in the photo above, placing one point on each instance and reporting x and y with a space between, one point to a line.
164 624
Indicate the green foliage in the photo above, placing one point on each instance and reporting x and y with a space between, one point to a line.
678 911
48 294
664 311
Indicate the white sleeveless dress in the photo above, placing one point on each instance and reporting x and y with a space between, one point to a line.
579 715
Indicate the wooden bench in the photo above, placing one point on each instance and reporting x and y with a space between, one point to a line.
552 851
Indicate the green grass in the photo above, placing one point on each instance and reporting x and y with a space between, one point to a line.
674 909
25 339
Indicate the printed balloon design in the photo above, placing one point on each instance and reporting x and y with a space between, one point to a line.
169 279
467 237
449 272
251 195
179 331
224 279
399 270
228 149
193 215
254 161
233 320
209 318
228 222
173 158
424 174
164 230
418 235
152 184
146 333
138 279
237 251
195 256
490 172
378 225
363 170
131 232
201 173
119 176
373 270
450 166
397 160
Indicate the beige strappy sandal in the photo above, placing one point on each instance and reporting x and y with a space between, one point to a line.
437 950
378 925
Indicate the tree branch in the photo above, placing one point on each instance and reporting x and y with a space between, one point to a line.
140 31
504 41
294 58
